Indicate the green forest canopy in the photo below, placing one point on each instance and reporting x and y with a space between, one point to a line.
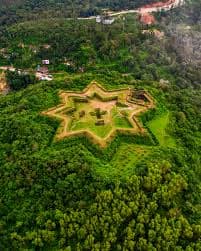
12 10
71 195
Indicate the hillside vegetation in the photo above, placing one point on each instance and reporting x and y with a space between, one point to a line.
140 192
12 10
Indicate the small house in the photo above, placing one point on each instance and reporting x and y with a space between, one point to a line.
46 77
107 20
98 19
147 19
43 70
46 61
46 46
42 73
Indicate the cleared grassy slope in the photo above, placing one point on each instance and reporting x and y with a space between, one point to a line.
159 127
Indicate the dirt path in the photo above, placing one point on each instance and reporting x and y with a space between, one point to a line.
3 84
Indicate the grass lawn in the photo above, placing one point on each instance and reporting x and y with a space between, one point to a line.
101 131
113 120
158 126
119 120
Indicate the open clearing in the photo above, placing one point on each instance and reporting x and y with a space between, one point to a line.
159 128
123 162
100 114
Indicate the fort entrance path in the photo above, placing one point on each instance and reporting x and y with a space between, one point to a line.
99 114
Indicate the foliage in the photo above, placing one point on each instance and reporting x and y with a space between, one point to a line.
142 214
72 195
18 80
159 127
12 10
41 179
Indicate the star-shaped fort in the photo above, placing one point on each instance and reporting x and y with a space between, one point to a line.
100 114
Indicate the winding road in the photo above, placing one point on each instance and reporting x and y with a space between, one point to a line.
146 9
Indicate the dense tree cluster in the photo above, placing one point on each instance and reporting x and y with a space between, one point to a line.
142 214
51 196
12 10
88 46
18 80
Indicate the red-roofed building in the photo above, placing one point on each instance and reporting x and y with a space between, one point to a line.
147 18
159 4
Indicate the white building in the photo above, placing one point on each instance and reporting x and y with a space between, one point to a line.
46 61
98 19
44 77
105 20
108 21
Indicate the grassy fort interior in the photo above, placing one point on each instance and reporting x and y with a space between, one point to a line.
99 114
